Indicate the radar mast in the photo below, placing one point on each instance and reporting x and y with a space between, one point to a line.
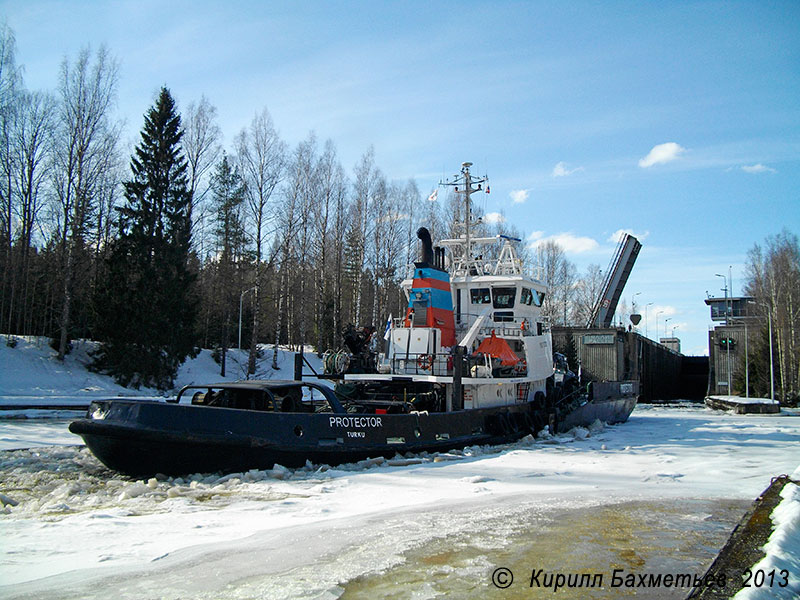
465 184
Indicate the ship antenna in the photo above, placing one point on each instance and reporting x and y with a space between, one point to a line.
466 184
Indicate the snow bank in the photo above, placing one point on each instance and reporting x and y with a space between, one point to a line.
31 374
741 400
32 370
781 565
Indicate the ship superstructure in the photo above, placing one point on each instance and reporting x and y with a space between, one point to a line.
473 320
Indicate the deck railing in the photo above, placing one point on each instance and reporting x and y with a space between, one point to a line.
441 365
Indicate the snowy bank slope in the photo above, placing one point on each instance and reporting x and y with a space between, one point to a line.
30 373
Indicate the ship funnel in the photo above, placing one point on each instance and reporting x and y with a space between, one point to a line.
427 246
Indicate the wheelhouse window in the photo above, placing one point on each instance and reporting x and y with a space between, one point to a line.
480 296
529 297
526 297
503 297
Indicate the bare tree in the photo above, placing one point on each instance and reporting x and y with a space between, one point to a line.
10 83
328 238
305 170
362 222
335 190
382 222
560 275
587 291
773 278
262 160
31 139
289 219
201 145
85 140
390 248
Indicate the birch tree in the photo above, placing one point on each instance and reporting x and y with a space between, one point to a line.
201 146
361 226
10 83
262 160
86 138
331 211
587 291
551 258
773 279
31 139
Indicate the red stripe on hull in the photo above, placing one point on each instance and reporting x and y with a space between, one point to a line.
431 283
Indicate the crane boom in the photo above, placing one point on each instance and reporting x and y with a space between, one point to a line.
614 282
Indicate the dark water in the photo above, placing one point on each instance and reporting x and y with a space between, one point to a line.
642 538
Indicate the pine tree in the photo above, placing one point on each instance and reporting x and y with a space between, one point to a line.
147 306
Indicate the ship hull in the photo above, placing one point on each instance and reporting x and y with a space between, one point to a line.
609 411
141 438
147 438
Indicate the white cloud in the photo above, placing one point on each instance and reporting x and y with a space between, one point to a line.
569 242
662 153
561 170
758 168
494 217
614 237
519 196
661 312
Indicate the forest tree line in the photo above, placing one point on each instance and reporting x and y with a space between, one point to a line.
772 279
159 253
287 235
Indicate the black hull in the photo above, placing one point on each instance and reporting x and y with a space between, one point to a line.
143 438
610 411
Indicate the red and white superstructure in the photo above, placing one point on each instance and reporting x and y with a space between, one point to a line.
473 298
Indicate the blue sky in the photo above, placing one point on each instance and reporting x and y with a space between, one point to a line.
678 121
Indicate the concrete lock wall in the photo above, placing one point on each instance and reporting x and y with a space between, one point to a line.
615 354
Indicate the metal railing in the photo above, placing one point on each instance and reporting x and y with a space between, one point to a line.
441 365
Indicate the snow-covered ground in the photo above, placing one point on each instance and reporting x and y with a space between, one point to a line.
30 374
430 525
741 400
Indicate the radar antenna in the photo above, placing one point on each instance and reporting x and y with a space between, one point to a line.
465 184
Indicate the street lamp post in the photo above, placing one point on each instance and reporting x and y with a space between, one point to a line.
633 302
658 313
241 298
667 320
645 317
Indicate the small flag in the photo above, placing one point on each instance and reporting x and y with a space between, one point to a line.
487 190
388 327
434 195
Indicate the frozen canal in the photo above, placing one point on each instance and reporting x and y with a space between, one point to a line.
658 494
